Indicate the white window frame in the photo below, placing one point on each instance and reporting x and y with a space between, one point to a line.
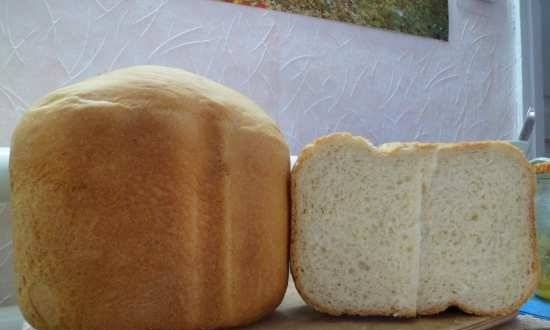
532 73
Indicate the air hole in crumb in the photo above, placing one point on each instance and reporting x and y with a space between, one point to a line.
362 265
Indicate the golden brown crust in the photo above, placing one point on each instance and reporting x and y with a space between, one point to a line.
148 198
541 168
389 149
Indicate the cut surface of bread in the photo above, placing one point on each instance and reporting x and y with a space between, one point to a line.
410 229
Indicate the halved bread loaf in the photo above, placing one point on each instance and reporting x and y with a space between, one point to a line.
410 229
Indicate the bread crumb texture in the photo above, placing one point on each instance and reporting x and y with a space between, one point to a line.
410 229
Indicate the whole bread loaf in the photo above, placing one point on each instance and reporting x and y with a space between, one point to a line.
410 229
148 198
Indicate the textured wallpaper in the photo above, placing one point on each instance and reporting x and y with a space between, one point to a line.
313 76
7 293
